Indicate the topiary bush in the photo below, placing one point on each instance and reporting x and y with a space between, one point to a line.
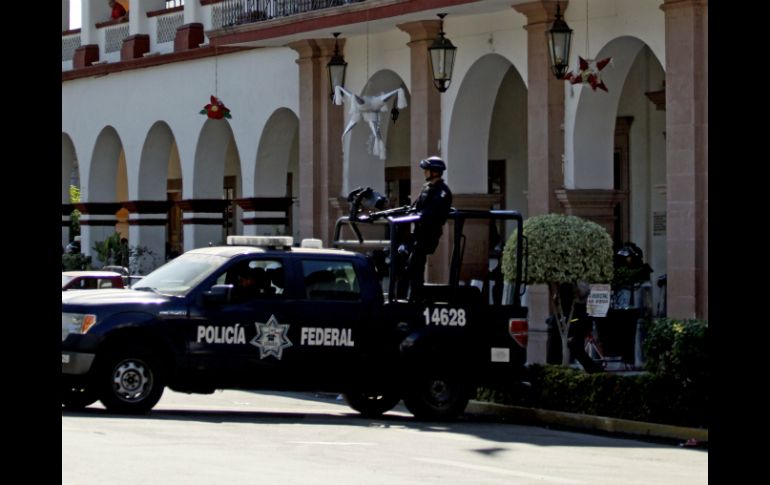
561 249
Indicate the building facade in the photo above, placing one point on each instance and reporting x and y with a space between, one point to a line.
149 165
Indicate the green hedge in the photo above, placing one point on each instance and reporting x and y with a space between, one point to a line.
673 391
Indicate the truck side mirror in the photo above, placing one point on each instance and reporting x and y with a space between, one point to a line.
218 294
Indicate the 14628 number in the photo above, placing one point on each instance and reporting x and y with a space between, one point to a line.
445 317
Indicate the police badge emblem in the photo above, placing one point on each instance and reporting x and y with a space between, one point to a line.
272 337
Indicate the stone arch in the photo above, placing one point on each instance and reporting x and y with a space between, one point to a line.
156 220
361 168
591 137
489 124
104 192
216 175
617 140
277 153
276 171
69 176
151 182
104 167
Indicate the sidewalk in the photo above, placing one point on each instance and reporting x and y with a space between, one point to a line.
692 436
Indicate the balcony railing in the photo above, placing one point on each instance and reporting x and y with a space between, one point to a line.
69 43
238 12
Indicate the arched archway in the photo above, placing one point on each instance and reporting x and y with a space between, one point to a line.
276 172
156 225
215 180
69 176
617 142
103 193
487 149
593 126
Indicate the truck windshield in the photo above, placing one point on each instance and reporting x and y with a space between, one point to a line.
181 274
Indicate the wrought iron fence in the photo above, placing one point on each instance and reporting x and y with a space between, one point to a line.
237 12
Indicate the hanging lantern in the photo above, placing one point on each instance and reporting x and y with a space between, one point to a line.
336 68
559 42
442 59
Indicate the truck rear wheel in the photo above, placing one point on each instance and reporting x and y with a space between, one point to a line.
371 405
437 396
130 381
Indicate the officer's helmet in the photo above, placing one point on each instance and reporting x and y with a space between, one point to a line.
632 251
433 163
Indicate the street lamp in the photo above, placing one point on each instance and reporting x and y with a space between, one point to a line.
336 68
559 40
442 59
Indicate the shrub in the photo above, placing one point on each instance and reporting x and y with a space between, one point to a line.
561 249
644 397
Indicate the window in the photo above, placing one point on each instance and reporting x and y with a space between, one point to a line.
255 278
330 280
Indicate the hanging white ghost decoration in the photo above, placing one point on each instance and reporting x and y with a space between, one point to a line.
369 108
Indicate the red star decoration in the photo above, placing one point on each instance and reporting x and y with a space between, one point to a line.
216 110
589 73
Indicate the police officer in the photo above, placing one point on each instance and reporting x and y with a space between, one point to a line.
433 205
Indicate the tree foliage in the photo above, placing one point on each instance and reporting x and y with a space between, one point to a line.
561 249
75 214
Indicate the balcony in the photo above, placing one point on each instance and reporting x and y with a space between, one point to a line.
239 12
162 24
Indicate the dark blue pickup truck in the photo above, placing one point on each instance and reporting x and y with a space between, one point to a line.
317 320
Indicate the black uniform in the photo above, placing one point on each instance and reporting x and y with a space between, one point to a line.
434 204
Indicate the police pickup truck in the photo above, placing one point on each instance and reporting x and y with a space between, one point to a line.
311 319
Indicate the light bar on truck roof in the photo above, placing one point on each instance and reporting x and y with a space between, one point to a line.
273 242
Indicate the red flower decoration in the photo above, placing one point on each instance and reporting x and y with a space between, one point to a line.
216 110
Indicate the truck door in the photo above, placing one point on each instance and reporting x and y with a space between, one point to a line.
246 340
328 320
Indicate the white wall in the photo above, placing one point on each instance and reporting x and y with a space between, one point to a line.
252 85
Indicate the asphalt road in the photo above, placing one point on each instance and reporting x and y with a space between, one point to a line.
234 437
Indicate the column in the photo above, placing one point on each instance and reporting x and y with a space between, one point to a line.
202 222
687 157
91 12
190 34
425 114
97 223
147 222
262 214
320 142
65 15
425 103
545 111
545 146
138 41
66 210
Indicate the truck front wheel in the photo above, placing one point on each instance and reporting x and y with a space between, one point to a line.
76 398
130 381
371 405
437 396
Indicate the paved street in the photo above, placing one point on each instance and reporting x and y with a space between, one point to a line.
234 437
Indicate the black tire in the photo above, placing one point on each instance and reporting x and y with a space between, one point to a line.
437 396
77 398
130 381
371 405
